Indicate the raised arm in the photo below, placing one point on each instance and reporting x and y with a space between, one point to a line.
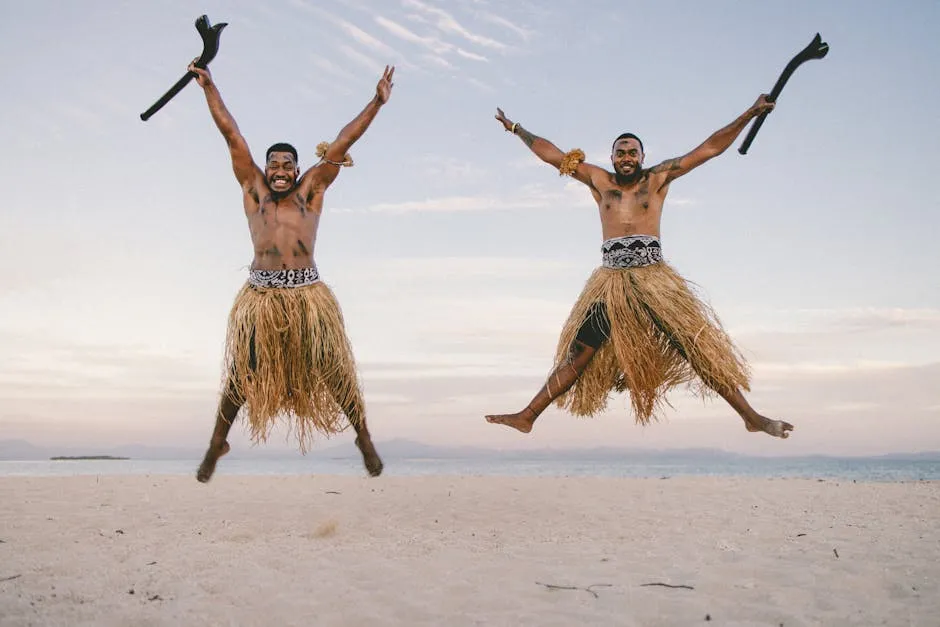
245 169
716 144
336 155
550 153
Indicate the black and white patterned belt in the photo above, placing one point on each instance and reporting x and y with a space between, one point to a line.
631 251
284 278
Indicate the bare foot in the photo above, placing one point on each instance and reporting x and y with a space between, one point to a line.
522 421
208 462
776 428
370 457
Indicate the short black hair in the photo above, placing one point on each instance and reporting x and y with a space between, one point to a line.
281 147
628 136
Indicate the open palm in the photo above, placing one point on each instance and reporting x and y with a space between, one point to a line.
384 89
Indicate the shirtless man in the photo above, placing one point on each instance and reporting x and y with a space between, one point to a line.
286 350
636 315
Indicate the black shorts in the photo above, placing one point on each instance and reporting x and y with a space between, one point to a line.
595 330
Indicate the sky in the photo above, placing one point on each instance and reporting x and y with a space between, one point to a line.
454 252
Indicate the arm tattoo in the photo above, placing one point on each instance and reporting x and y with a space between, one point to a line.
526 136
670 165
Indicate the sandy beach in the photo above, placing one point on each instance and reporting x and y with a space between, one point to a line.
326 550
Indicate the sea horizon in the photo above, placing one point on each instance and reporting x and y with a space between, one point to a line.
518 464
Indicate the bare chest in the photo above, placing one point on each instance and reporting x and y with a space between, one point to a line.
635 201
284 231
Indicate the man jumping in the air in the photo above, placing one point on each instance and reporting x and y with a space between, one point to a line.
287 353
637 326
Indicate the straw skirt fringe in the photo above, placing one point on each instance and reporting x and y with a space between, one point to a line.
287 356
656 322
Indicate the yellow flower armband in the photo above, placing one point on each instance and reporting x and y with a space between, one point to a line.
570 162
322 147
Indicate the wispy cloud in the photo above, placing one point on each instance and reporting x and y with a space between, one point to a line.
436 45
523 33
438 61
450 168
447 23
330 67
357 36
529 197
365 38
471 55
431 43
481 85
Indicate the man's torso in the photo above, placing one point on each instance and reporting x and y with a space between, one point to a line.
283 229
634 209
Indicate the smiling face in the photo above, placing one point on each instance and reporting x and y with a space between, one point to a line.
280 171
627 157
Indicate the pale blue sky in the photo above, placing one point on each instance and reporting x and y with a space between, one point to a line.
455 253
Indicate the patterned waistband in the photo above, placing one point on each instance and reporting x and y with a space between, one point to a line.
284 278
631 251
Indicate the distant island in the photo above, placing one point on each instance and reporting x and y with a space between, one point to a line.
66 457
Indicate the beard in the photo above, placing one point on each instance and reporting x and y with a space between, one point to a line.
629 179
277 195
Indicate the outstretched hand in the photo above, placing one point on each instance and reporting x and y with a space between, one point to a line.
507 123
761 105
384 89
203 77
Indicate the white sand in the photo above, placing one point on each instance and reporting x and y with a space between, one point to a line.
467 551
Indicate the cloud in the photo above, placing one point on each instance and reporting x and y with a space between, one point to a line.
449 168
447 23
332 68
434 45
853 407
439 62
365 38
529 197
471 55
481 85
523 33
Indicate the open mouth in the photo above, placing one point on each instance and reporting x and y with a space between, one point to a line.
280 181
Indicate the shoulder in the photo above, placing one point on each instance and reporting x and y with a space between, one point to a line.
600 177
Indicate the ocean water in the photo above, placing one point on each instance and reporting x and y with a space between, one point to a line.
859 469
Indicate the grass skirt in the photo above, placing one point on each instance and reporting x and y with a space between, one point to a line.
300 367
662 336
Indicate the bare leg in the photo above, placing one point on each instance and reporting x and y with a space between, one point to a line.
218 445
753 421
559 381
370 457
